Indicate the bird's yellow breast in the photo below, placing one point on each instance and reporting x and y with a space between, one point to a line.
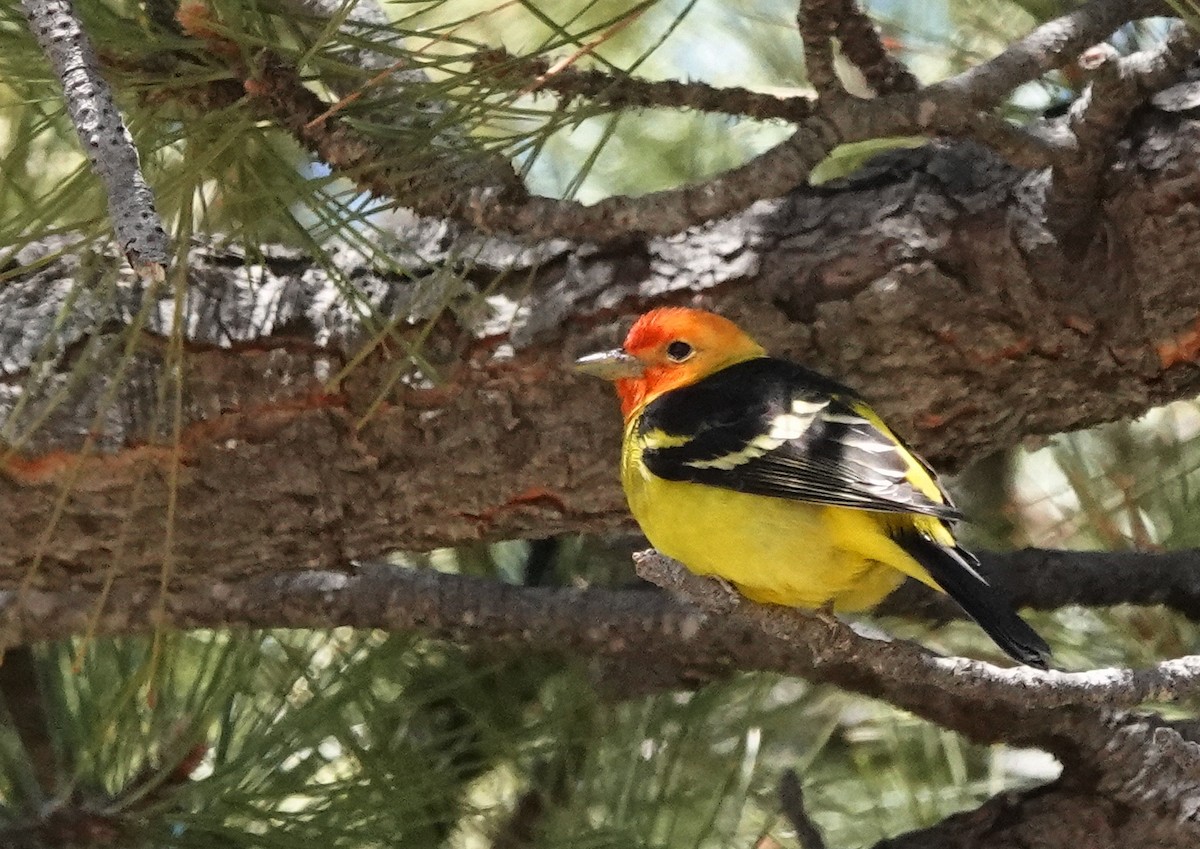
772 549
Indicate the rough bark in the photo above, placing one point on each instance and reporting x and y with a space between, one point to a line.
927 281
1050 816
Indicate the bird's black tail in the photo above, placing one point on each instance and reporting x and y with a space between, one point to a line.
955 571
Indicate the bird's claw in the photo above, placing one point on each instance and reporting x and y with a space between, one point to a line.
825 613
725 596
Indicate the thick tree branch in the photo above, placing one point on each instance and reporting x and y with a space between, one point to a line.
919 281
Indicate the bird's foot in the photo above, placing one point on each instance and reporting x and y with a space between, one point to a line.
724 596
825 613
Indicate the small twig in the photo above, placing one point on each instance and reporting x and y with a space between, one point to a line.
516 72
364 21
791 801
585 50
462 160
385 71
102 133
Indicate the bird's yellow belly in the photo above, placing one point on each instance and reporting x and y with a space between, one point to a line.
772 549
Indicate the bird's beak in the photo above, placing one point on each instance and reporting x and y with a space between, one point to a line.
610 365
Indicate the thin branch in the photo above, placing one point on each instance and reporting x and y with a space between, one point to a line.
1050 46
619 626
389 73
862 45
364 21
818 21
278 91
791 801
532 73
951 108
102 132
826 649
921 113
1045 579
1040 579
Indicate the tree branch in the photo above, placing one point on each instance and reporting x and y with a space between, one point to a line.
914 281
1043 579
862 45
905 675
533 74
820 21
384 69
1122 761
1050 46
1034 578
950 108
617 625
101 131
279 92
1097 120
791 800
817 22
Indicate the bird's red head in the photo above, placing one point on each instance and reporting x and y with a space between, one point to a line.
668 348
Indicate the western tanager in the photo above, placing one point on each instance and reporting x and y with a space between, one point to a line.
782 481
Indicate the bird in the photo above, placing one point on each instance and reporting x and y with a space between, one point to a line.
783 482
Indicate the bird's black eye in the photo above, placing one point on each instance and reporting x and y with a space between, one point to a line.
678 351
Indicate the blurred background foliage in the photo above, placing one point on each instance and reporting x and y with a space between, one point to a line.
353 739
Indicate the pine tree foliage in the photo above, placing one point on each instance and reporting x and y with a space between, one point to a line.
362 739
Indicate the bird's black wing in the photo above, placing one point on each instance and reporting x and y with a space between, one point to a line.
770 427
